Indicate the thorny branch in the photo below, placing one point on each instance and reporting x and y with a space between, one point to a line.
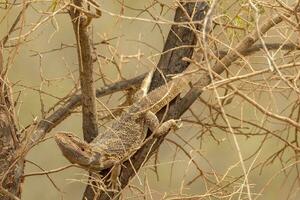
229 77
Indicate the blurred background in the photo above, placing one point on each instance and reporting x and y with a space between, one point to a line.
47 61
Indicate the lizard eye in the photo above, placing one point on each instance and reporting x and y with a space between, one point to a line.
82 149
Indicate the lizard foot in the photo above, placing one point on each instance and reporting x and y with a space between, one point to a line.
164 128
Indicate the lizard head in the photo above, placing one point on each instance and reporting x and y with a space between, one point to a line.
74 149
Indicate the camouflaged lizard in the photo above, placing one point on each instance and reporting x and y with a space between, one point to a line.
128 132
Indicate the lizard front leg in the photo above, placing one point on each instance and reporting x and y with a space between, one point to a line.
158 129
107 162
114 177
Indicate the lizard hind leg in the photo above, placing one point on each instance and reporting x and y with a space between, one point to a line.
114 177
142 92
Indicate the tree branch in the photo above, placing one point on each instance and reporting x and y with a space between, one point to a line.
84 51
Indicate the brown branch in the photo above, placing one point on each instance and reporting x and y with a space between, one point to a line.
84 51
258 47
47 172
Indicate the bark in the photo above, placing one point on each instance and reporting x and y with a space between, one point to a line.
84 51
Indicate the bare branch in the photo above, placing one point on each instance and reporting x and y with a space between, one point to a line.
84 51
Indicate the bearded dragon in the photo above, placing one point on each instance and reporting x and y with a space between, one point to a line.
127 133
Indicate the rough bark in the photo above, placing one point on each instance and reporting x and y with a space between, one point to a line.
180 42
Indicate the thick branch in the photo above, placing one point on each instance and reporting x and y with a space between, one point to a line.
84 51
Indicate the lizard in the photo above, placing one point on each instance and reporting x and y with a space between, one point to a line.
127 133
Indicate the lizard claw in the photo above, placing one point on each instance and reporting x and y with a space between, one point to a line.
177 124
114 184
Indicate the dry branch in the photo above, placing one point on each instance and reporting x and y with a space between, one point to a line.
84 51
170 62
